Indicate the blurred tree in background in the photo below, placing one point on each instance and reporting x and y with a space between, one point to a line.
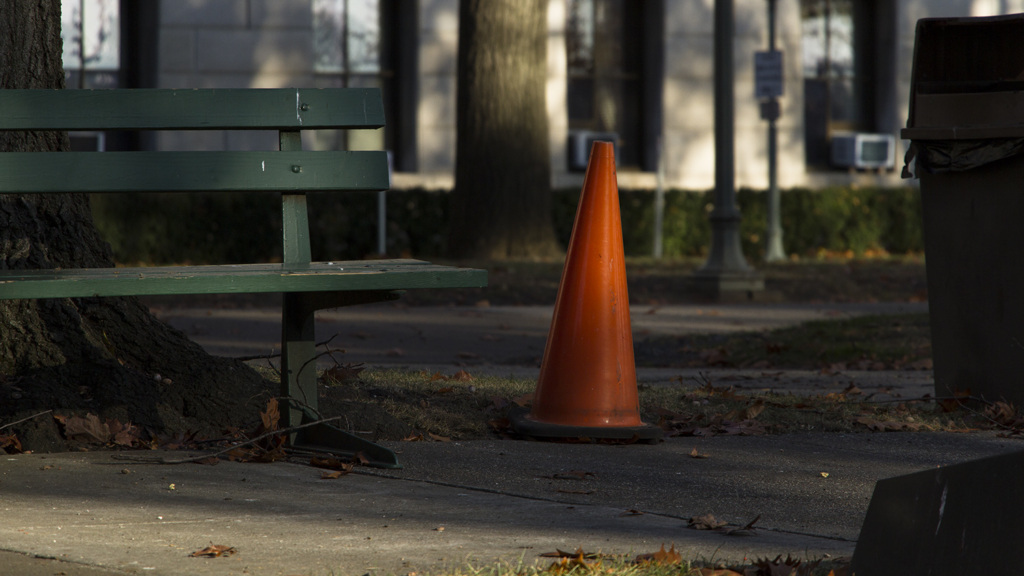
501 205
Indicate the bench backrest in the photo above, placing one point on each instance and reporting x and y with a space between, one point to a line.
291 171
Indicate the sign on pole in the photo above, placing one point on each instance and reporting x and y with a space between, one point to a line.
768 74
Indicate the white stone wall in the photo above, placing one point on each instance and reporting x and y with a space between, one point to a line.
268 44
234 44
435 116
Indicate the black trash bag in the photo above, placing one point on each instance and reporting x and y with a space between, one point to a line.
938 156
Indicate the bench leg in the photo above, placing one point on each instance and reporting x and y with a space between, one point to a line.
299 385
298 369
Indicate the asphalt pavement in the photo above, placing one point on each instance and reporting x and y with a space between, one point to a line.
452 502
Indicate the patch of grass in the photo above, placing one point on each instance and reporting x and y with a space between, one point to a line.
625 565
463 410
890 342
431 404
700 408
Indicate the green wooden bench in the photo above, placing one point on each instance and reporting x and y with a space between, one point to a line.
307 286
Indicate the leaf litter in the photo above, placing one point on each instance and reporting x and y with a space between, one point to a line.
656 563
436 403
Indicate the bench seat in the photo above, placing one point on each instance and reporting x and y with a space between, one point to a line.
356 275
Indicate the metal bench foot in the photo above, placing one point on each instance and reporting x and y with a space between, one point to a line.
332 440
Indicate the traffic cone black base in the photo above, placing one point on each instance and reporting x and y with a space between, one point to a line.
522 424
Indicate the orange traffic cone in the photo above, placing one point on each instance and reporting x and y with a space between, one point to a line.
587 385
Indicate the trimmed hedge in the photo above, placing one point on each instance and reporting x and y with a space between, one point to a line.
233 228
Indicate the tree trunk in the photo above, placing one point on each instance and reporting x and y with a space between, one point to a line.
97 355
501 206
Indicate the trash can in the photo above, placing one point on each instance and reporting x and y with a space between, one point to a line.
966 127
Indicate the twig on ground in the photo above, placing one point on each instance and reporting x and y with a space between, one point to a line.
288 430
274 370
327 353
25 419
987 417
301 403
278 355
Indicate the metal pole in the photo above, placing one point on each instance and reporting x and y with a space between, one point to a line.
726 255
773 235
382 223
659 202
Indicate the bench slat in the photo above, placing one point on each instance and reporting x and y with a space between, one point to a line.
240 279
207 109
44 172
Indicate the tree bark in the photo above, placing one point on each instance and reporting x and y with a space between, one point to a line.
501 205
97 355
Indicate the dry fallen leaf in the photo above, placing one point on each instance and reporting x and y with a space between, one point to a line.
438 437
696 454
778 567
9 444
88 429
414 437
745 530
340 373
331 475
500 425
213 551
570 565
462 376
572 475
705 522
824 474
752 411
662 556
271 416
525 400
331 464
631 512
960 397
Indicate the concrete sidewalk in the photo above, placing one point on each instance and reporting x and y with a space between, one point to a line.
494 499
459 501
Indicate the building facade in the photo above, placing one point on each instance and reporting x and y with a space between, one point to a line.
638 71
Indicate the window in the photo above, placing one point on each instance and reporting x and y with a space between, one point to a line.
90 30
371 44
91 33
350 47
347 37
605 53
837 48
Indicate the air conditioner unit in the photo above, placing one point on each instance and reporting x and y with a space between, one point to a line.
580 142
860 150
